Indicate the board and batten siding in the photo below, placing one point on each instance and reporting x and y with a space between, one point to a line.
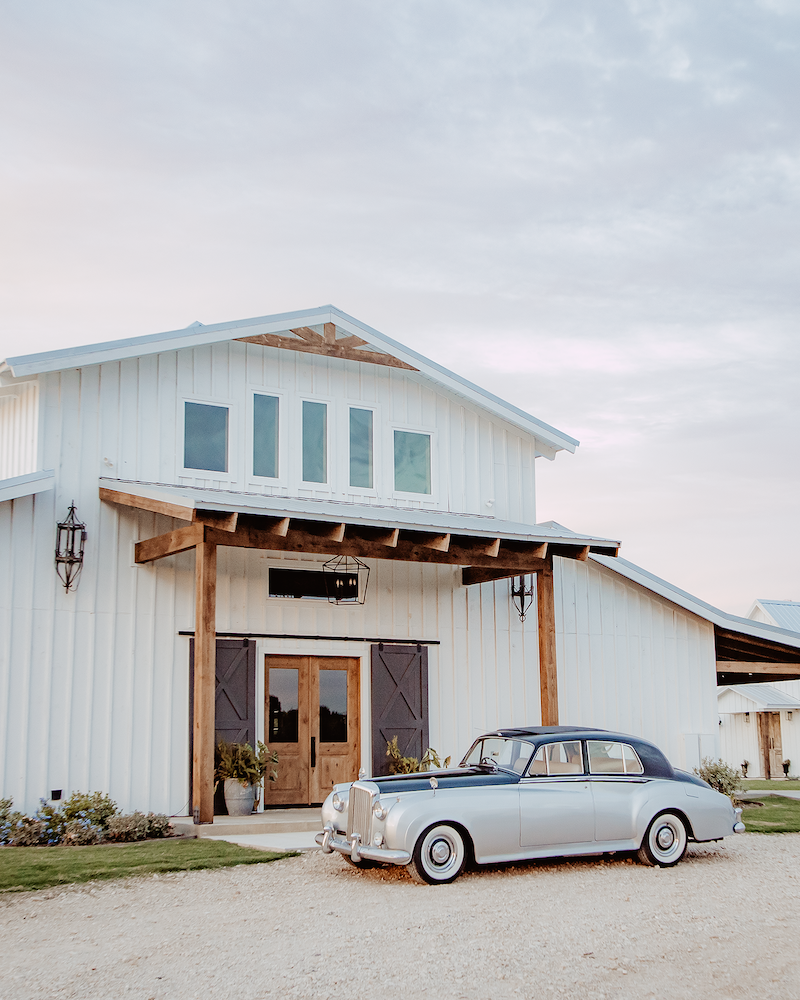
131 417
631 661
19 430
95 684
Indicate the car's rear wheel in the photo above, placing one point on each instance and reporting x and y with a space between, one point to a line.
439 855
664 844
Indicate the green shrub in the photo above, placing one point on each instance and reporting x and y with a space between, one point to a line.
410 765
158 825
244 764
123 829
26 832
96 807
10 819
80 832
53 821
721 776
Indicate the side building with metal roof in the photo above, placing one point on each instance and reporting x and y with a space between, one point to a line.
295 529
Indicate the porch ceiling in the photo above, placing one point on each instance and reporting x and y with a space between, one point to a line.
743 659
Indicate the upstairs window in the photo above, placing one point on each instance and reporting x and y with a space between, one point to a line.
361 474
265 436
315 442
412 462
205 437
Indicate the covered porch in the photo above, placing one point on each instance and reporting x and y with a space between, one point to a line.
484 548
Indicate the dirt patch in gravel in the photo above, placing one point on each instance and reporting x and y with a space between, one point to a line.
722 924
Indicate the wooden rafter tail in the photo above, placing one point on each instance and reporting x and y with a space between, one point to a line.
493 548
224 520
582 554
280 527
441 543
330 333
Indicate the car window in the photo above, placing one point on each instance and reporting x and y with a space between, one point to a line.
510 754
606 757
557 758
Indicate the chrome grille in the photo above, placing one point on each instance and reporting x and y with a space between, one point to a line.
359 813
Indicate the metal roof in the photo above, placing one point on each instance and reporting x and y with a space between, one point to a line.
721 619
26 486
198 335
765 696
374 515
784 614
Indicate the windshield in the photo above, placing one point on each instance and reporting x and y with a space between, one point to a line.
500 752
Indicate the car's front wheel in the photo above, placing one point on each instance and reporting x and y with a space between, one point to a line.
439 855
665 842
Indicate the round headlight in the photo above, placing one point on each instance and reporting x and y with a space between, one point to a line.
378 811
337 802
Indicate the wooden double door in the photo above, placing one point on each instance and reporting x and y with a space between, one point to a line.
769 738
311 721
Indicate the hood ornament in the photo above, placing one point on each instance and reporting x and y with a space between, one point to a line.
434 785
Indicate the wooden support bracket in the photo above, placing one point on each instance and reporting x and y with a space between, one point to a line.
168 544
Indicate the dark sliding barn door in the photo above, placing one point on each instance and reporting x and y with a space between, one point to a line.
399 702
235 699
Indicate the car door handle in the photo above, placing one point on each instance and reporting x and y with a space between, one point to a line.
313 751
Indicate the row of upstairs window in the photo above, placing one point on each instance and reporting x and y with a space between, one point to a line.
206 444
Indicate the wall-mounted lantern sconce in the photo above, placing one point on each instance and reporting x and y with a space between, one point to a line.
70 541
346 580
746 716
522 594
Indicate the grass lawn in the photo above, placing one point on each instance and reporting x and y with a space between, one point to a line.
777 815
24 868
772 786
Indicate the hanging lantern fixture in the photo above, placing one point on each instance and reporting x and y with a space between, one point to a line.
70 541
346 580
522 594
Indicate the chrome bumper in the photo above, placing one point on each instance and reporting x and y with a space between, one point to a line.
329 843
738 826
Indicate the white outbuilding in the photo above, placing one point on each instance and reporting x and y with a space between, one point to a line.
295 529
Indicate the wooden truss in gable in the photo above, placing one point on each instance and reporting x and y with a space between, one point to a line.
308 341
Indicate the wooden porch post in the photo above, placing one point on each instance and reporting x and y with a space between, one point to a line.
205 657
548 680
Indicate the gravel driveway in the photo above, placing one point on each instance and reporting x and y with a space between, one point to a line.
724 923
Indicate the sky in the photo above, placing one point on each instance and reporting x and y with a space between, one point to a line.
589 207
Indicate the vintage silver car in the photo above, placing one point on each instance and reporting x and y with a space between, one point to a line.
528 793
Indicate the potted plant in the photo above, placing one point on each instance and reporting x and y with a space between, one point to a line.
786 765
242 769
745 765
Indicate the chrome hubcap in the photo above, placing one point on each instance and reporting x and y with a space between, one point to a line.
665 838
440 852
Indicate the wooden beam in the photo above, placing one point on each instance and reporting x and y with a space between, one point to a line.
222 519
760 667
330 350
205 669
300 540
480 574
330 333
349 342
147 503
309 335
168 544
582 554
548 676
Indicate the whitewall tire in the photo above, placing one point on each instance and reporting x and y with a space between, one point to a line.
665 842
439 855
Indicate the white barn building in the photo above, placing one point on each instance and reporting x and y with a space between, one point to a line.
229 478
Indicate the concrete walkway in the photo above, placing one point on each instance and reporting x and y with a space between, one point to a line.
290 829
762 792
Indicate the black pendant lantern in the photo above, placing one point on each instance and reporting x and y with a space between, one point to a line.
346 580
522 594
70 540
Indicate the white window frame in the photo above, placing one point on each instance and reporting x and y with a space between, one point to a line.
283 438
234 439
377 464
431 498
332 422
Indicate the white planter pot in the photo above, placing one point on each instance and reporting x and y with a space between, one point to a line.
239 798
